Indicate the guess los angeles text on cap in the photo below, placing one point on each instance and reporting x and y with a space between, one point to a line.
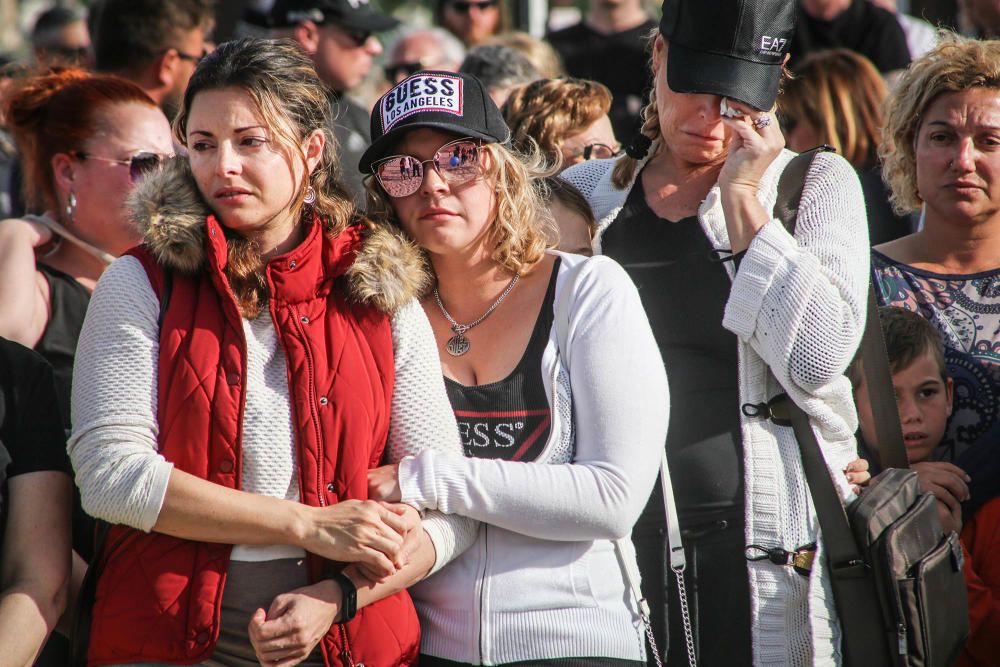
456 103
733 48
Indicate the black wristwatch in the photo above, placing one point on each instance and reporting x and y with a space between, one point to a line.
349 602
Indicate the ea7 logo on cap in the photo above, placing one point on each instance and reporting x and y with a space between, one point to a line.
772 45
421 93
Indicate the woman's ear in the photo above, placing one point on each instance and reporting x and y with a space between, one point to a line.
313 149
63 172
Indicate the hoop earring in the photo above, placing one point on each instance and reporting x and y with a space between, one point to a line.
310 197
71 207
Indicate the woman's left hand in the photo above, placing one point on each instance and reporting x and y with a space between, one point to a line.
383 483
757 141
294 624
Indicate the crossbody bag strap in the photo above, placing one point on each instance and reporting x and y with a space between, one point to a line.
852 580
675 548
881 394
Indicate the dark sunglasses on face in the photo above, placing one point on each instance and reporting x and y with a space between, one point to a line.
138 165
457 162
464 6
597 152
402 70
358 37
190 57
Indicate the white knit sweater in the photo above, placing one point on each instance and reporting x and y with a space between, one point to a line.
122 477
797 305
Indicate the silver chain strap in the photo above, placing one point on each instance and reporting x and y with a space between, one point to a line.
460 329
649 636
685 616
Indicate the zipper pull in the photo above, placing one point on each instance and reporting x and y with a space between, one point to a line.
901 633
346 658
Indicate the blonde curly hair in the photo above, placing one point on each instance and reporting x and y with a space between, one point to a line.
522 226
955 65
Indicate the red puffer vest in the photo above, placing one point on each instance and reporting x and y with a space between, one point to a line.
158 597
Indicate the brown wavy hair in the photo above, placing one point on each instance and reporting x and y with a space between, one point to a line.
548 111
293 102
841 94
955 65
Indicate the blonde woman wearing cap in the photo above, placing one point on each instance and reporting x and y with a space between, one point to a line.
554 378
786 318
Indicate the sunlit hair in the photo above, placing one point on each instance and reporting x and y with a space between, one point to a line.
624 170
840 94
908 336
522 226
955 65
541 54
58 112
293 103
549 111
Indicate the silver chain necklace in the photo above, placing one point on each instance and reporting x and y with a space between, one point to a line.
458 344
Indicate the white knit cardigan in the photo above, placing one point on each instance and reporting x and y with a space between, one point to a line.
797 306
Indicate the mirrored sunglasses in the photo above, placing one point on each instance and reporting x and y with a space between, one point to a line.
456 162
138 165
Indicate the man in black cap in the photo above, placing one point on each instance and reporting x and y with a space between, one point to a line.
339 36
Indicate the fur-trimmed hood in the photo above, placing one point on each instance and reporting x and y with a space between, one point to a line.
388 269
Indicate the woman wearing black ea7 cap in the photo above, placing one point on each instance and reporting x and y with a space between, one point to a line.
786 318
554 378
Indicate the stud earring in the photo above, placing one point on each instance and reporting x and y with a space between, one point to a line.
310 197
71 207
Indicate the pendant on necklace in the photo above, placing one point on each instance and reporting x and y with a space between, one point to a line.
457 345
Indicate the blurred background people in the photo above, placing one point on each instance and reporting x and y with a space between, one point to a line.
340 36
500 68
420 49
34 508
940 157
566 118
153 43
60 37
472 21
609 45
921 36
836 98
858 25
573 215
541 54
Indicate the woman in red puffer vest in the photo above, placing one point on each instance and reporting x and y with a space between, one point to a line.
237 375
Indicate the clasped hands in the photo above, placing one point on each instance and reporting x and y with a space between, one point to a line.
374 537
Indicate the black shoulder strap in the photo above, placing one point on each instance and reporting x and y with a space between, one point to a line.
852 579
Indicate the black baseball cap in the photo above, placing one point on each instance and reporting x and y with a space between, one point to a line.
733 48
350 14
436 99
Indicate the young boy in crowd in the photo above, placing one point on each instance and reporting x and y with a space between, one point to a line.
924 399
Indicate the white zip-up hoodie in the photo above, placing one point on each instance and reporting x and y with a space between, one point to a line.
542 578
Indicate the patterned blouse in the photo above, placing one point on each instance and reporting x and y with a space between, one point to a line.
965 308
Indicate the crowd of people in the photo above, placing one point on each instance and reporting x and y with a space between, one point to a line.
349 342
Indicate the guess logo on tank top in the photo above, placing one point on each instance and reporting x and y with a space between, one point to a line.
516 435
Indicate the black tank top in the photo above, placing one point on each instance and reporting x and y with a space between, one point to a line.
68 301
509 419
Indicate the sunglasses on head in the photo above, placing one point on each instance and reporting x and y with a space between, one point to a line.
456 162
464 6
138 165
597 152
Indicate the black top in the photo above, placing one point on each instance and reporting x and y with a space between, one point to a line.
684 291
509 419
352 129
871 31
884 224
619 61
31 433
68 300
